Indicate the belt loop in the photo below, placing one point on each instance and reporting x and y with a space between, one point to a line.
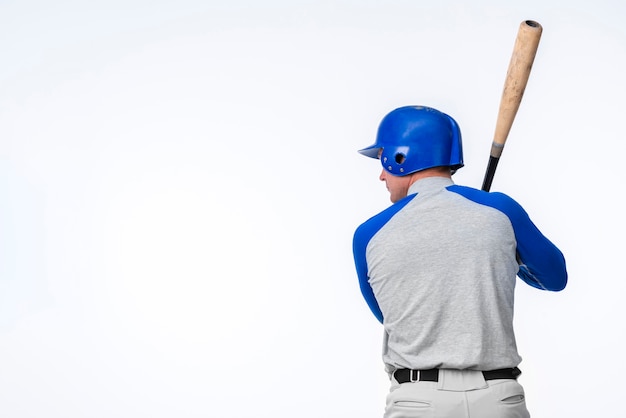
417 376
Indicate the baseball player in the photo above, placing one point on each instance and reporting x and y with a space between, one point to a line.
438 269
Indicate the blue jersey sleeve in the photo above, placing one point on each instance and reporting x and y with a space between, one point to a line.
362 237
359 247
542 264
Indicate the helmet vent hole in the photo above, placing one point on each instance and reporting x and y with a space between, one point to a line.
400 158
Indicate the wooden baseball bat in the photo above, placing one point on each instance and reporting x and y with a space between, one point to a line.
517 75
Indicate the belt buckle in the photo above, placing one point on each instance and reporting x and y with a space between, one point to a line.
417 376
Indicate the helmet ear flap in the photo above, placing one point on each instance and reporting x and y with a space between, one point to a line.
392 159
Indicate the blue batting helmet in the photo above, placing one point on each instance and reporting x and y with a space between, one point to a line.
414 138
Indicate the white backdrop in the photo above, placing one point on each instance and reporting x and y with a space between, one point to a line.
179 185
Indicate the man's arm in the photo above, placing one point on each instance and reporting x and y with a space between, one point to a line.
542 264
359 246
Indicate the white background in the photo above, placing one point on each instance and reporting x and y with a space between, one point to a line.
179 185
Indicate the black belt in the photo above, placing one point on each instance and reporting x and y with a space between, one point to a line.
432 375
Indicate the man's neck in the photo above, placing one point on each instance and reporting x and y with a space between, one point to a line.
430 172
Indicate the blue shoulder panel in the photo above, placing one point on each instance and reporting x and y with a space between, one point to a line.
362 237
542 264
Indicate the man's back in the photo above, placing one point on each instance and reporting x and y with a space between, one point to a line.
442 269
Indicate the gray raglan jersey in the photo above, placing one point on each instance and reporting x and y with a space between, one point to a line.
439 270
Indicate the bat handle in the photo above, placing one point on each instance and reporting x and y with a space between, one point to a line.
491 171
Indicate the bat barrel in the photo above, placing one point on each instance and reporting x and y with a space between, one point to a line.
521 63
